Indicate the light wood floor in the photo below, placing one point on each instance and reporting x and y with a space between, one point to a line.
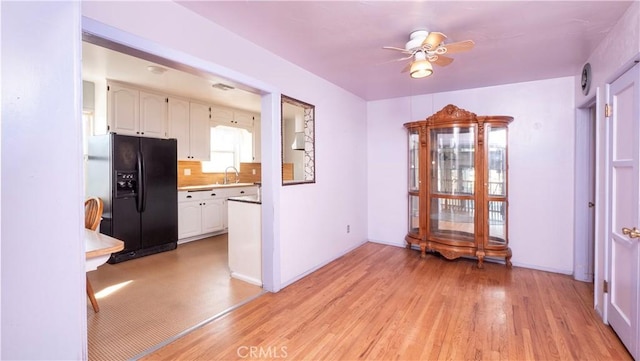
382 303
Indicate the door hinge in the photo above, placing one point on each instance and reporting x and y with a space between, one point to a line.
605 286
607 110
166 100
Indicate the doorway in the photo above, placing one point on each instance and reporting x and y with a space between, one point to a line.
270 105
584 224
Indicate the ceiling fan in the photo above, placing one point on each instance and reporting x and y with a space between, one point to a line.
425 48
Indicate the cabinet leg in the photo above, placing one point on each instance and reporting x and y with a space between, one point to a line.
408 245
507 261
480 256
423 251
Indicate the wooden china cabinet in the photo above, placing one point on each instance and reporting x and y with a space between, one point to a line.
458 185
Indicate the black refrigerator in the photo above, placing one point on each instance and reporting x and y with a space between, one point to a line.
136 178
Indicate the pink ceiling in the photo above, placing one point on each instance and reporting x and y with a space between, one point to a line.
342 41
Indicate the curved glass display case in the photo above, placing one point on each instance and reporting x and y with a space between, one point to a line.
461 209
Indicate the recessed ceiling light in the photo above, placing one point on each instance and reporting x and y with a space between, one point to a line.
156 69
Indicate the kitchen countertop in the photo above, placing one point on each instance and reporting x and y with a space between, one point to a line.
255 199
208 187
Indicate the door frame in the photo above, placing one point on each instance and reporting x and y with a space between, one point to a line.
270 131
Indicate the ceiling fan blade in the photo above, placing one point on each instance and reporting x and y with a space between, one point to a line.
434 39
459 46
398 49
441 60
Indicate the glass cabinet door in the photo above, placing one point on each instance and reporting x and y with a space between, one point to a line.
414 160
453 218
496 160
497 185
453 160
452 183
414 214
497 223
414 182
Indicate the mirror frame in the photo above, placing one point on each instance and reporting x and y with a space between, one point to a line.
309 165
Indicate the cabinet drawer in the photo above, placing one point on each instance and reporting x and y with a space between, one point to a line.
243 191
189 196
213 194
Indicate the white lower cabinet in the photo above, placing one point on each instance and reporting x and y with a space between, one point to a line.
213 215
202 213
189 219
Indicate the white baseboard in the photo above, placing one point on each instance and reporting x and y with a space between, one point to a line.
245 278
201 236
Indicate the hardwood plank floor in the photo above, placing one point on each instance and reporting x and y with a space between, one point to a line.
382 303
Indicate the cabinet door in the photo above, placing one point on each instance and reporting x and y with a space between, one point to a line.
222 115
123 110
496 181
212 215
189 219
199 132
179 126
153 115
242 119
452 185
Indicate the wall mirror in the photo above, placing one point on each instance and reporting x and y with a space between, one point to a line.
298 142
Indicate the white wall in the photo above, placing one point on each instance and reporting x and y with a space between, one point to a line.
43 296
540 165
312 218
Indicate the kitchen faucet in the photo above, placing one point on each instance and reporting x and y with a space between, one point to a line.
226 177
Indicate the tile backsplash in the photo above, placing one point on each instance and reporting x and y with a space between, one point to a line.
249 173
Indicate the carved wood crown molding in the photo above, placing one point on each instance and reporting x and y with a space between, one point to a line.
451 113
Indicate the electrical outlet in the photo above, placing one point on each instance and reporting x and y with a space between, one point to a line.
187 171
348 228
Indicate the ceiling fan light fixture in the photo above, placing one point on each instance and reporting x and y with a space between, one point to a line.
421 69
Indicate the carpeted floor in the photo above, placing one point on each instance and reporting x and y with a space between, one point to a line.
146 301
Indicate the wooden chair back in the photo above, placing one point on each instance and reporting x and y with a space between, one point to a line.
93 207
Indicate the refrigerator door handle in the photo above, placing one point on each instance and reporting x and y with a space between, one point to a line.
141 199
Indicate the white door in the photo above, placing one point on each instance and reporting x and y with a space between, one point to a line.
624 221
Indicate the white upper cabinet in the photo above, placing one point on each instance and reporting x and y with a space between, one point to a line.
179 126
231 117
221 115
134 112
199 132
123 109
153 115
243 119
189 124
